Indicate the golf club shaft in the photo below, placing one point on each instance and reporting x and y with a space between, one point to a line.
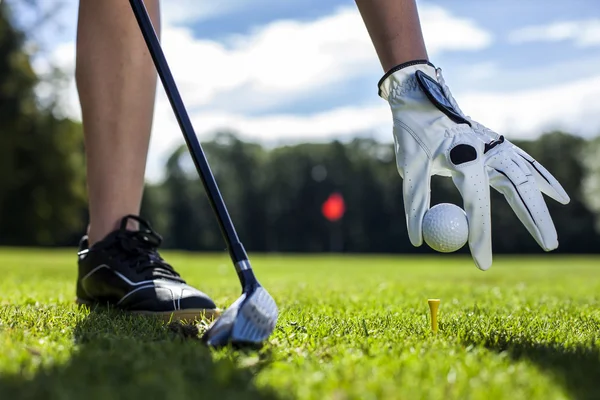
235 247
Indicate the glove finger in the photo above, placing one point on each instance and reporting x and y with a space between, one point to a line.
546 182
518 185
416 190
473 185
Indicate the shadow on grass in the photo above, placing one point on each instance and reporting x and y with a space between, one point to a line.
576 367
127 357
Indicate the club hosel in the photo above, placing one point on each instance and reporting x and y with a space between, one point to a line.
238 253
242 266
247 280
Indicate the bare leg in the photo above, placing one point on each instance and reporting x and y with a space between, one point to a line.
116 81
395 30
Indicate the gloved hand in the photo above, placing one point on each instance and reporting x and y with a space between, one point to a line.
432 136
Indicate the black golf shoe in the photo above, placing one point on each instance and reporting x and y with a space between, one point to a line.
125 271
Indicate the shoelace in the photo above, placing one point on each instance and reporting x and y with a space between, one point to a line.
139 249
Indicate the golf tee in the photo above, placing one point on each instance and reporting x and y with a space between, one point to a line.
434 305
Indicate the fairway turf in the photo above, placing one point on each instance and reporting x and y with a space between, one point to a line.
351 327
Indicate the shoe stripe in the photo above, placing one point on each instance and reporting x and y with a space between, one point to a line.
142 284
120 275
133 291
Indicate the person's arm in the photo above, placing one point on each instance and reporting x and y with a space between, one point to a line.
434 137
395 30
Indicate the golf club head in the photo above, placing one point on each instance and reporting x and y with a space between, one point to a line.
248 322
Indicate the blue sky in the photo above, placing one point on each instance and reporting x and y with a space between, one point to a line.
306 71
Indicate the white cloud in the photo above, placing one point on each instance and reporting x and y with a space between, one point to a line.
571 106
584 33
274 63
444 31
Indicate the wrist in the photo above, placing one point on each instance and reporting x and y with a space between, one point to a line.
402 77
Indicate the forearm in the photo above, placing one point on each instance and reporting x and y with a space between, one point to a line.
395 30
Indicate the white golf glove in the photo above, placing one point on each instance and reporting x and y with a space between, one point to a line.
433 137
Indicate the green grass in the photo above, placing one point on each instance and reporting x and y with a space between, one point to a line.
351 327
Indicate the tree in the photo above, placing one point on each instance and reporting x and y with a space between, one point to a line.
42 191
591 184
561 154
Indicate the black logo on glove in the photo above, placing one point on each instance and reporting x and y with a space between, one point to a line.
436 95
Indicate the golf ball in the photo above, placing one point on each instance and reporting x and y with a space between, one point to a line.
445 228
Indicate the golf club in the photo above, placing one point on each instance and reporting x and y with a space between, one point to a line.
251 319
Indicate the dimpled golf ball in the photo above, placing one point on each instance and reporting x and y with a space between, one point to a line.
445 228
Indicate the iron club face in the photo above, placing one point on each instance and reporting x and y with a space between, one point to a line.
248 322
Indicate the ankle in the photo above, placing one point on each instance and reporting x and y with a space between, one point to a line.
99 230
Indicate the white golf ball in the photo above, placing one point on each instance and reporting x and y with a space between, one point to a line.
445 228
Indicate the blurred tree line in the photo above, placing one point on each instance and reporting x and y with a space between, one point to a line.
274 195
42 187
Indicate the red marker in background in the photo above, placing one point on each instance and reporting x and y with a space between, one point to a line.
334 207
